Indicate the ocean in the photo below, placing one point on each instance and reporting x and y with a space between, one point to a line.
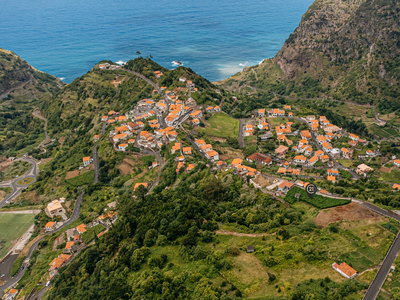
215 38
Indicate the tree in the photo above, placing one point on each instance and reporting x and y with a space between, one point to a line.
271 277
150 237
138 53
207 236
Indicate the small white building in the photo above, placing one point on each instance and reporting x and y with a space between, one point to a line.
87 161
345 270
122 147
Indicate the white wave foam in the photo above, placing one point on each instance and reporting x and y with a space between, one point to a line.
174 63
61 78
243 65
120 62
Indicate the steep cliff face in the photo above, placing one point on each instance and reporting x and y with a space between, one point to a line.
346 49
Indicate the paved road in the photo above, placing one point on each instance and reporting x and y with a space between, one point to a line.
156 87
6 268
160 161
37 115
238 101
5 94
241 133
96 163
383 271
103 128
16 188
40 294
193 143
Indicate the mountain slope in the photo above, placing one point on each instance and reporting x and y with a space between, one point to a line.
22 89
342 49
20 81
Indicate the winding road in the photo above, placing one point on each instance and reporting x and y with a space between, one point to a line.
5 94
37 115
160 161
155 85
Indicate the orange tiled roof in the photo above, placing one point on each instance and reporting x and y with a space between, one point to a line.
237 161
139 184
346 269
69 245
60 260
81 228
50 224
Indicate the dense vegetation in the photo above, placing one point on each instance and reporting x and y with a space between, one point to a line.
27 88
138 257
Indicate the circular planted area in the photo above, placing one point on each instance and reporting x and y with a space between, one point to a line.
25 181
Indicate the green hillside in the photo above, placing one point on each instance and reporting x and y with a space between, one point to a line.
346 50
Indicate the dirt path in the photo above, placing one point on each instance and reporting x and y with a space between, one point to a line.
255 73
225 232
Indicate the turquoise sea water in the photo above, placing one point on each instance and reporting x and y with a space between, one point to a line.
214 38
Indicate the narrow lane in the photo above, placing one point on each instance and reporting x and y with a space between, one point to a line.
155 85
96 163
241 133
36 114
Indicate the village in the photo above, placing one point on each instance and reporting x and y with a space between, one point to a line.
308 148
153 125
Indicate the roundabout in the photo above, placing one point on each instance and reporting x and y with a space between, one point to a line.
26 180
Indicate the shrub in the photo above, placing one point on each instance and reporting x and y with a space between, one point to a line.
233 250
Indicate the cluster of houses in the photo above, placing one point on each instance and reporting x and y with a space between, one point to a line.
263 124
213 109
176 111
248 130
207 150
74 240
283 129
181 158
276 112
322 123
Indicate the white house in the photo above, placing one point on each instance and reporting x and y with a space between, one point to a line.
397 163
212 155
122 147
87 160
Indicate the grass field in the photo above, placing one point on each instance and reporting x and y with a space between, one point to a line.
393 176
221 125
318 200
85 178
13 226
346 162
